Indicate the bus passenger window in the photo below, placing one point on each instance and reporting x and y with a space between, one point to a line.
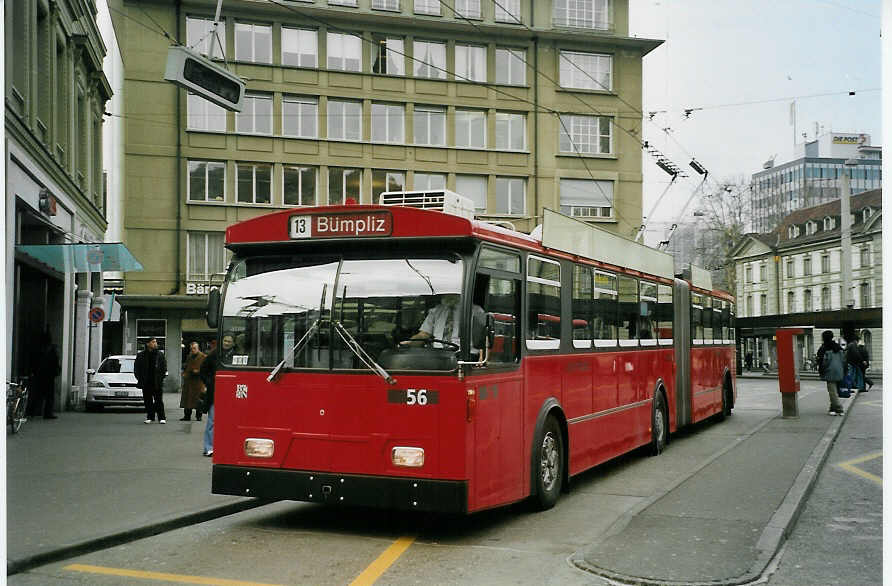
628 311
582 307
543 304
707 319
665 314
719 329
697 318
605 310
503 302
648 313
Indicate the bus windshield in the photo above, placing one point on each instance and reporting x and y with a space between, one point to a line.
271 303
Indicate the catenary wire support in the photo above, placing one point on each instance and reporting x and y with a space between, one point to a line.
643 227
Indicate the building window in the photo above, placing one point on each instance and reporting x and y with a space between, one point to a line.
199 37
586 71
829 223
300 47
300 116
427 7
43 72
809 306
204 115
390 58
383 180
470 128
61 91
298 185
811 228
806 265
865 295
206 255
791 271
749 305
470 63
393 5
762 273
351 3
791 302
825 298
344 120
474 188
343 183
253 42
253 185
510 196
749 274
344 52
585 198
581 14
430 126
426 181
508 11
256 116
430 59
388 123
866 213
585 134
865 256
793 232
146 329
511 67
468 8
511 131
206 180
825 263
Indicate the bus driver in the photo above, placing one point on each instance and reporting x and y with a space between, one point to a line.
442 322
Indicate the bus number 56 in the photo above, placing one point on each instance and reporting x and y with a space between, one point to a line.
416 397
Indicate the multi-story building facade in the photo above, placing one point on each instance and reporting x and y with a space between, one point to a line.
814 177
56 93
793 277
519 105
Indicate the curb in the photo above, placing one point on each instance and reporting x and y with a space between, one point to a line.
15 566
773 536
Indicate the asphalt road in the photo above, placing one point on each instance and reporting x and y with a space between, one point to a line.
839 536
300 543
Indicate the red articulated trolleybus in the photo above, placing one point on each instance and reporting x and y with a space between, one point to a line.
407 358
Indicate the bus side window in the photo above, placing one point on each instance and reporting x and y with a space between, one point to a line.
582 307
543 304
647 314
628 311
605 310
665 314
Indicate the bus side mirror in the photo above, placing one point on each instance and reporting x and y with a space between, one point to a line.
213 312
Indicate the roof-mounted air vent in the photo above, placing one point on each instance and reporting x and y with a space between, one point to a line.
441 200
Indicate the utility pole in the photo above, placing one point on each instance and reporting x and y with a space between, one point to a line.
845 220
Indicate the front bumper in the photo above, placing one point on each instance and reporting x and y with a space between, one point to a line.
383 492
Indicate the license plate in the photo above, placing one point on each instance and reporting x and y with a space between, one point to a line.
122 394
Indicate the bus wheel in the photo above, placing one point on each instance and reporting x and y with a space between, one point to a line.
727 399
550 462
659 426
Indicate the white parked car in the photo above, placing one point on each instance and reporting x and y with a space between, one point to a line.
113 384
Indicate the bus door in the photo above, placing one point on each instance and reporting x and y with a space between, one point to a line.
629 373
498 441
682 348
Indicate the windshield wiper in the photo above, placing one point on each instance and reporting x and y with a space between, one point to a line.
274 374
361 353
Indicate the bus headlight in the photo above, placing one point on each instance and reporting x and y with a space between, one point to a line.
256 447
410 457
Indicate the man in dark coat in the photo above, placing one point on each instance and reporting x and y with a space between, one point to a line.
44 372
831 370
207 372
150 369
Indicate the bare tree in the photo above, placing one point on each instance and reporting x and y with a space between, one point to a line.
724 222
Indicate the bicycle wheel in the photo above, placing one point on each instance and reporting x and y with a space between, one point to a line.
18 418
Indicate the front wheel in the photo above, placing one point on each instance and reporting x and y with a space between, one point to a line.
18 415
659 426
549 454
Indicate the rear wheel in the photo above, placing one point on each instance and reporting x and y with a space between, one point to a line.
727 399
659 426
549 453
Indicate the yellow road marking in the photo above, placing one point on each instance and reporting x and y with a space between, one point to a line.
384 561
184 579
849 466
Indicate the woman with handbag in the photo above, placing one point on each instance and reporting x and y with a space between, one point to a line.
831 366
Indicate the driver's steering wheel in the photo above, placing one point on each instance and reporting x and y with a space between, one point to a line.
429 342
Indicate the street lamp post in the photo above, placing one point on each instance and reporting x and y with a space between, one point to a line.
845 220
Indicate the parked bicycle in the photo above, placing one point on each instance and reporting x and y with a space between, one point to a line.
16 402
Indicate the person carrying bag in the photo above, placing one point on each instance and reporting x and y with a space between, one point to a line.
831 366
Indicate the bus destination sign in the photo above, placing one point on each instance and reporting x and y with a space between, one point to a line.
349 225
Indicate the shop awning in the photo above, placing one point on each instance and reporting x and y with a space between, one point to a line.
82 258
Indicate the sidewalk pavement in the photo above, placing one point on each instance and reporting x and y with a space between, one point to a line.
735 511
90 480
86 481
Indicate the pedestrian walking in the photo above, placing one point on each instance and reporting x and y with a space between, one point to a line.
854 363
865 360
207 371
150 368
831 367
193 386
45 369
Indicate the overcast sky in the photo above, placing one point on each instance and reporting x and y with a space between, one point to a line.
744 62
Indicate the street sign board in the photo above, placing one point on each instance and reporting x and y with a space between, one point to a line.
97 314
201 76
